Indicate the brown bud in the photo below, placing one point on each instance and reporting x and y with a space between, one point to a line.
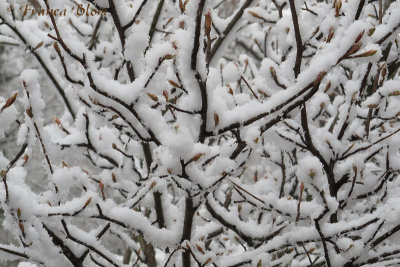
38 45
199 248
328 86
22 228
330 34
169 56
366 54
230 91
57 120
197 157
384 70
354 168
87 202
208 22
26 157
169 21
114 117
240 208
57 48
254 14
216 119
338 6
101 185
153 97
114 179
19 213
174 45
29 112
181 6
273 72
9 102
153 184
395 93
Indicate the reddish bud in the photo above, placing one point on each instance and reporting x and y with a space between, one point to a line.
359 36
165 94
366 54
319 78
26 157
371 31
354 49
174 84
